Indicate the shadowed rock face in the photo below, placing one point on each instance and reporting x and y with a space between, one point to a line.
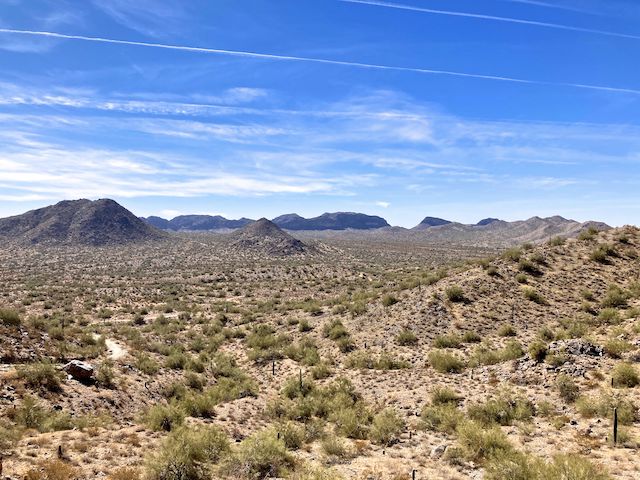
266 237
431 222
331 221
78 222
196 223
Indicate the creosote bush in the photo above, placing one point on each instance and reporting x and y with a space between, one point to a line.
445 362
9 317
567 388
406 338
386 426
260 456
625 375
41 375
188 454
455 294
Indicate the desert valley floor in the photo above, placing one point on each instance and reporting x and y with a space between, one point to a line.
349 358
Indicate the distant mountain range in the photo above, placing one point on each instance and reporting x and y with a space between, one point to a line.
196 223
77 222
104 222
292 221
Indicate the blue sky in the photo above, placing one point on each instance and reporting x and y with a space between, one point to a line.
461 109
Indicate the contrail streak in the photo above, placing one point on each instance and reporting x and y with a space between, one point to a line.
269 56
551 5
480 16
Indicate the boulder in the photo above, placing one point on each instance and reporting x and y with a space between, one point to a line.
79 370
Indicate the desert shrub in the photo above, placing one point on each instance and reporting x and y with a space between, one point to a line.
450 340
616 297
445 362
291 434
507 330
567 388
125 473
164 417
625 375
260 456
519 466
602 406
304 325
602 253
521 278
471 337
146 364
200 405
9 317
492 271
335 330
9 434
264 344
294 388
444 396
305 352
528 266
53 470
441 418
105 375
176 360
389 300
41 375
406 337
615 347
479 443
455 294
385 427
512 254
538 351
534 296
352 422
501 411
187 454
511 350
557 241
588 234
322 370
609 316
366 360
333 446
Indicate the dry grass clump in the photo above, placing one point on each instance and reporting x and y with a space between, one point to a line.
365 360
625 375
10 317
41 375
602 405
385 427
53 470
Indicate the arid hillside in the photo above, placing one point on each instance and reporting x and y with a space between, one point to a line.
201 359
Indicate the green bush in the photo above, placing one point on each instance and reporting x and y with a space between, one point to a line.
455 294
41 375
615 298
471 337
389 300
538 351
609 316
615 347
602 253
479 443
445 362
519 466
9 317
625 375
534 296
507 330
385 427
567 388
260 456
366 360
444 396
450 340
602 406
406 338
441 418
501 411
188 454
164 417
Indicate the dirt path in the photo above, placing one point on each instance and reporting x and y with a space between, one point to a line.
115 350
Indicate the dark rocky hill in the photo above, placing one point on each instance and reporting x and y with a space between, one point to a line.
429 222
77 222
197 223
331 221
263 236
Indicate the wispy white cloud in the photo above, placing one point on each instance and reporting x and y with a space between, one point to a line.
383 204
152 18
494 18
291 58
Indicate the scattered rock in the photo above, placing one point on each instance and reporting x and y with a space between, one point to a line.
79 370
438 451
